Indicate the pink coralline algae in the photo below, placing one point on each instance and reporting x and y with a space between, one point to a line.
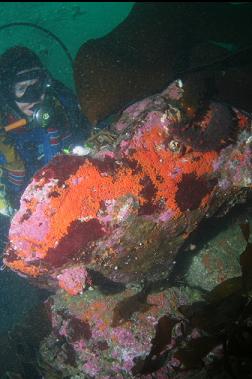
73 280
113 336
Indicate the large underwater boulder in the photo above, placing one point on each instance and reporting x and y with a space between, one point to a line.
121 214
105 231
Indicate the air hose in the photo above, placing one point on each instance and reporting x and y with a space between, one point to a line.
52 35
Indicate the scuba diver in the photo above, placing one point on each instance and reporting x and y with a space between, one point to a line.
39 117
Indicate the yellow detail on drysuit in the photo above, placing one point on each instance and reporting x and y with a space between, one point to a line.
13 163
13 160
5 208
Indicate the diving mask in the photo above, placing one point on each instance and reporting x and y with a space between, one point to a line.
30 86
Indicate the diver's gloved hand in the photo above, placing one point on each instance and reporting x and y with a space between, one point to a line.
99 140
102 138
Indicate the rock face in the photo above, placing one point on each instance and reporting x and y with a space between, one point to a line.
120 215
161 332
104 230
109 336
154 45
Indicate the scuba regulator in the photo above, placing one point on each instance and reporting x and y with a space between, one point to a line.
42 116
44 112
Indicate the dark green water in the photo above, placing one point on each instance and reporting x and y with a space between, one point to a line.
72 22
